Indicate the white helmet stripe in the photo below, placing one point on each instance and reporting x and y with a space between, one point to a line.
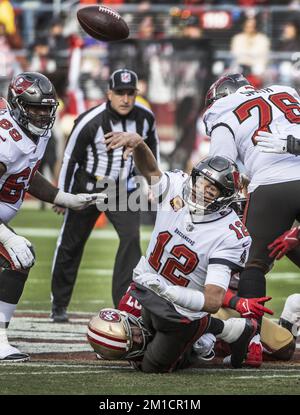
114 344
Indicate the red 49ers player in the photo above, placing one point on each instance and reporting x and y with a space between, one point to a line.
278 340
235 113
196 242
26 120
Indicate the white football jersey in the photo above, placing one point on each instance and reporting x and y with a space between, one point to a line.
22 157
182 246
233 121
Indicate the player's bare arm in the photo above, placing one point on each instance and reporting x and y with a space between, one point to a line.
213 298
143 157
42 189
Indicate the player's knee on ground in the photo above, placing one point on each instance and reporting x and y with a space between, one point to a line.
151 364
286 352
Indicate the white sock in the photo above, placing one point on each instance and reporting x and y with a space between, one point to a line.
291 310
6 311
3 336
255 339
232 330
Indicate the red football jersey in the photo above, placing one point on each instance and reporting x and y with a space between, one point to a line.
130 304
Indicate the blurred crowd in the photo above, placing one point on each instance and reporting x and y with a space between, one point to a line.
176 49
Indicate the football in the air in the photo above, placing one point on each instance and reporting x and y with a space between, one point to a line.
102 23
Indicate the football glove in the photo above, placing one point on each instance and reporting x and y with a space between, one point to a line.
17 247
79 201
272 142
204 347
247 307
284 243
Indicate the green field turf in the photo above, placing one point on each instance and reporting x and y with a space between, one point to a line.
93 287
92 292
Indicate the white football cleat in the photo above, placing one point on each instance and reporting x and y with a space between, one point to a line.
9 353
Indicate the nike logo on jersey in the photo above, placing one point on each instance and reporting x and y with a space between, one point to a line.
245 244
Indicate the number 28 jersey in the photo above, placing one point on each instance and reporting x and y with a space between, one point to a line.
233 121
21 157
182 247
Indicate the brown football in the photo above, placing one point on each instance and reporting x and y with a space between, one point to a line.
102 23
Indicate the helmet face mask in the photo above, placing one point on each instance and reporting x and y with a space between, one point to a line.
219 185
226 85
239 206
33 102
117 335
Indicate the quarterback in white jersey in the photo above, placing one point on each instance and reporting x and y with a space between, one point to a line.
207 247
196 242
26 119
236 113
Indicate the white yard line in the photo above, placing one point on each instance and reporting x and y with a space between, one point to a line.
70 365
46 311
284 276
48 303
103 369
68 372
268 376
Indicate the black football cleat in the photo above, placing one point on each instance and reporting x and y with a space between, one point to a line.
10 354
239 347
59 314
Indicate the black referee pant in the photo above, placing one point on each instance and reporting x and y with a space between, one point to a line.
75 231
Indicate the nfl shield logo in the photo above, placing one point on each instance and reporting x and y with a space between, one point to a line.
189 227
126 77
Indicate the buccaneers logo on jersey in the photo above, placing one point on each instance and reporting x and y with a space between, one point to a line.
177 203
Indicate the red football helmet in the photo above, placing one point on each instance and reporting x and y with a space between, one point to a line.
226 85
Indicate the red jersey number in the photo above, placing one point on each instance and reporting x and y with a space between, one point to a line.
240 229
171 265
7 125
15 186
285 102
244 111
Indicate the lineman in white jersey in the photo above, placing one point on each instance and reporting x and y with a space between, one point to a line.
195 244
235 113
26 120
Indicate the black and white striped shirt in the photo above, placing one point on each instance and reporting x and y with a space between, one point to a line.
86 148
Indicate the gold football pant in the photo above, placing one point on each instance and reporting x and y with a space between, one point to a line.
277 341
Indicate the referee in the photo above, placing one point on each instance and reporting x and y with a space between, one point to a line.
86 162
